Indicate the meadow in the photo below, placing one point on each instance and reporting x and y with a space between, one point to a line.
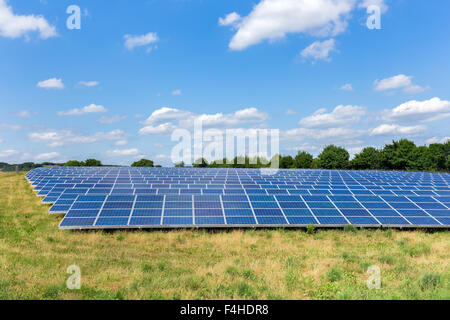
215 264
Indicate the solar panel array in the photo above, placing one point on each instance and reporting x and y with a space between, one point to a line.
109 197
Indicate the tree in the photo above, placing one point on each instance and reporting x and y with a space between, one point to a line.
286 162
333 157
143 163
92 163
74 163
367 159
200 163
179 164
303 160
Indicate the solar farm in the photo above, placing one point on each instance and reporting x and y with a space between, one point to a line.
120 198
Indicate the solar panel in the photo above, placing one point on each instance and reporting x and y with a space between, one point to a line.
107 197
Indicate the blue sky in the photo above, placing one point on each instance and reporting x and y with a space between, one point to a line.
311 69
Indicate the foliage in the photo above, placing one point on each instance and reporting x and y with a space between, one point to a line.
303 160
143 163
333 157
92 163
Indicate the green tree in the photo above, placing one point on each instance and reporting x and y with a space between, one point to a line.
74 163
286 162
200 163
367 159
179 164
303 160
333 157
143 163
92 163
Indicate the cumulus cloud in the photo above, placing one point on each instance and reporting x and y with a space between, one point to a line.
437 140
92 108
424 111
340 116
379 3
274 19
394 129
47 156
10 127
58 138
88 83
124 152
133 41
16 26
23 114
8 153
112 119
347 87
400 81
319 50
231 19
166 114
164 128
162 120
52 83
329 134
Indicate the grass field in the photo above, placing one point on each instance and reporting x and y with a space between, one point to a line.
197 264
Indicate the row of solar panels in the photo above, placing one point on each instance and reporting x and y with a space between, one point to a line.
245 203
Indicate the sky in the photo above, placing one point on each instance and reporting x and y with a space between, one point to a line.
117 87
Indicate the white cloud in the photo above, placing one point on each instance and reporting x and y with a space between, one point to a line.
23 114
88 83
347 87
123 152
16 26
176 92
400 81
47 156
133 41
112 119
92 108
166 116
290 112
10 127
319 50
437 140
1 140
378 3
164 128
340 116
424 111
394 129
52 83
123 142
330 134
58 138
8 153
274 19
231 19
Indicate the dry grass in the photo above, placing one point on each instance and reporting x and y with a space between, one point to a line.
197 264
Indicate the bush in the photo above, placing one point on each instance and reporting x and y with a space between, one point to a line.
143 163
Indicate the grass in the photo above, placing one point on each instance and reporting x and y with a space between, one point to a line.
201 264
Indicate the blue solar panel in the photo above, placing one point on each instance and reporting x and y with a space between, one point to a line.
173 197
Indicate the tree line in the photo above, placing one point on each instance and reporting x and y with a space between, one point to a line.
399 155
